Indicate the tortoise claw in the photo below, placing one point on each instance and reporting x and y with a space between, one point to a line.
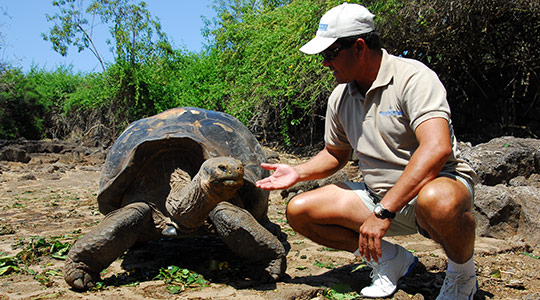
79 278
169 231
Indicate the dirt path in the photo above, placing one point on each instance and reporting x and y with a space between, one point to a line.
54 197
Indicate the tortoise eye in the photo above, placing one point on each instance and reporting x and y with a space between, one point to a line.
222 168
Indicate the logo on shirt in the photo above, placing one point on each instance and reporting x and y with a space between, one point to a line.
391 112
323 27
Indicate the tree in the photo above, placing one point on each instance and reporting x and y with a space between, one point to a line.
272 86
486 52
131 26
124 88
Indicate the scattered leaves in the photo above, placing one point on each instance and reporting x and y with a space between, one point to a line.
341 291
531 255
325 265
180 278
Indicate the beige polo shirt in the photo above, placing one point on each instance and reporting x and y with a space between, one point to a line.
380 127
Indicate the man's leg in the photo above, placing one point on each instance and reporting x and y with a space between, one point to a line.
330 215
443 209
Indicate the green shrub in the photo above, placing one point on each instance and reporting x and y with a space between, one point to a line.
21 111
487 53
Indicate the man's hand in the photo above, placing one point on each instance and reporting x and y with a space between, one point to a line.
370 236
284 176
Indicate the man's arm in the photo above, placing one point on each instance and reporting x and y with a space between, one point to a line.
426 163
325 163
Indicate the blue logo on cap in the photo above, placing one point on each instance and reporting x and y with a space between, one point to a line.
323 27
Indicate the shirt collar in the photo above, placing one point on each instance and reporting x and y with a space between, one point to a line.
384 76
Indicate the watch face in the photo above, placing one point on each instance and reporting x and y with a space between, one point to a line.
378 210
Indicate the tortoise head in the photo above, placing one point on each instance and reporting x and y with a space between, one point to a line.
218 179
221 177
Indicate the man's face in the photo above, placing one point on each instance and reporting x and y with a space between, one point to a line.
340 60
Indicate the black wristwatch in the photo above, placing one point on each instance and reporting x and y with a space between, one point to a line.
383 213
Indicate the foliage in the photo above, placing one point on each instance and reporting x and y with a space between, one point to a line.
45 277
341 291
71 28
21 112
485 52
32 251
54 88
329 265
272 86
32 103
8 264
38 247
179 278
132 29
134 92
122 92
531 255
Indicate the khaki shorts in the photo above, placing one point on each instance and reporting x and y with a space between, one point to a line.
405 221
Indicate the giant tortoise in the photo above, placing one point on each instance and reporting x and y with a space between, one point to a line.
183 172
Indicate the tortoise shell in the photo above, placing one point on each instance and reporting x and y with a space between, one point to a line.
195 133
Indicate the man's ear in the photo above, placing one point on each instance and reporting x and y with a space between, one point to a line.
360 45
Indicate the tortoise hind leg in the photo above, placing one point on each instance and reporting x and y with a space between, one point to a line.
104 243
246 237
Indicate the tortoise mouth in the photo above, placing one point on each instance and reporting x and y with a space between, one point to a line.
232 182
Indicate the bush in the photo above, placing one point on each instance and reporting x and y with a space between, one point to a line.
53 89
487 53
272 87
21 112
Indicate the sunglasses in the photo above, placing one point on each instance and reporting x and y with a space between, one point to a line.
330 54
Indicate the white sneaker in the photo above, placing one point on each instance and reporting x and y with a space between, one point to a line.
385 275
458 287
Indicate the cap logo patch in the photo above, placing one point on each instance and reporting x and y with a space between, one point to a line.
323 27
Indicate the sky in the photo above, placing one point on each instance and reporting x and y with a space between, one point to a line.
23 21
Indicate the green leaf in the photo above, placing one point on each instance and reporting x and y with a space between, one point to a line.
495 273
8 269
531 255
324 265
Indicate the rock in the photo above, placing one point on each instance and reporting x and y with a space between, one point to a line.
529 219
502 159
304 186
537 160
534 296
271 156
496 211
507 199
16 154
28 177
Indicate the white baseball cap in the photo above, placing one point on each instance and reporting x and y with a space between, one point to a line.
341 21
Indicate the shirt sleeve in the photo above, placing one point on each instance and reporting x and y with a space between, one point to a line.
334 133
425 97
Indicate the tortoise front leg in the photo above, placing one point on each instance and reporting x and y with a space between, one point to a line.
246 237
104 243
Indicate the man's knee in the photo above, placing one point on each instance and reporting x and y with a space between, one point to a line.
298 209
442 201
296 206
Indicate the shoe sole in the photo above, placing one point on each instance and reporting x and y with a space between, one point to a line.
409 270
411 267
471 296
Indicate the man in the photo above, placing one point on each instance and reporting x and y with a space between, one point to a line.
393 112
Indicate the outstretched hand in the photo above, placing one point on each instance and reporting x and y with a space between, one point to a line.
284 176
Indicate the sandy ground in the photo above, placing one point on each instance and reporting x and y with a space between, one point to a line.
54 197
